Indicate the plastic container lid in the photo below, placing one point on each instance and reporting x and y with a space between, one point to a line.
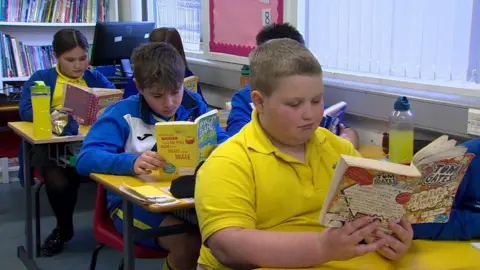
245 70
402 104
40 87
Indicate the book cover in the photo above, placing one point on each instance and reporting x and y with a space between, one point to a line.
333 116
185 144
420 193
86 103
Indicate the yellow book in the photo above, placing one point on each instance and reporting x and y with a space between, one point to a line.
185 144
148 194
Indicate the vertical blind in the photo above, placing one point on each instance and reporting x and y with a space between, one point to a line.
185 16
420 39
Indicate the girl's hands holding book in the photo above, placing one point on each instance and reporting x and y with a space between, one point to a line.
344 243
397 244
147 162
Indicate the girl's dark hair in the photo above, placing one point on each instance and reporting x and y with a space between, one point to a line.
68 39
171 36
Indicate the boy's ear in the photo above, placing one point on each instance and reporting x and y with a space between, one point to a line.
137 86
257 100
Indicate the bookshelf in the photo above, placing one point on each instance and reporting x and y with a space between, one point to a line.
46 24
37 28
34 29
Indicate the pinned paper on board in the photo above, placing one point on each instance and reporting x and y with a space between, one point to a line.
230 33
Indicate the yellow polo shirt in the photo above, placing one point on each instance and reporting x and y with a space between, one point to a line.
57 99
247 182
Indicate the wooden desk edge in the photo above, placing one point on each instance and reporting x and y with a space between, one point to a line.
154 209
9 108
65 139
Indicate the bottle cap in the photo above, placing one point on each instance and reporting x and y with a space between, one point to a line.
245 70
39 87
402 104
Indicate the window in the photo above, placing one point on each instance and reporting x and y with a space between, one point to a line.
185 16
427 41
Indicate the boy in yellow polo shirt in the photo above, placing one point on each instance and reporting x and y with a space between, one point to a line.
259 195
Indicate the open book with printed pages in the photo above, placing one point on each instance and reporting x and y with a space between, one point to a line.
333 116
185 144
420 193
86 103
148 194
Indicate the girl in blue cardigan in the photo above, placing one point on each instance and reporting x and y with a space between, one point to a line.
70 47
168 35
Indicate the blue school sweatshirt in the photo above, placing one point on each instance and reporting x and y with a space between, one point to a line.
49 77
131 89
124 131
241 112
464 222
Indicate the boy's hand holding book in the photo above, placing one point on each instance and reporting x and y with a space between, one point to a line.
340 244
147 162
398 243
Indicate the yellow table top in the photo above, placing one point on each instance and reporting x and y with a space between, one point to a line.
25 130
114 182
423 255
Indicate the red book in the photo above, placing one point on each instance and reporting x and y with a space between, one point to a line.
86 102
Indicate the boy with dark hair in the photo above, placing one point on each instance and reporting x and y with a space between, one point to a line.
121 141
242 105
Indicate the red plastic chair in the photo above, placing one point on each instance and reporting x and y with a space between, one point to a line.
106 235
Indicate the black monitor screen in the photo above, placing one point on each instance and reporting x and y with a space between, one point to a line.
115 41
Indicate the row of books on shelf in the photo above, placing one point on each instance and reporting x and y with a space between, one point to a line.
22 60
54 11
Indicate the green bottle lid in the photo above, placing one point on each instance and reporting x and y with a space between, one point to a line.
245 70
40 87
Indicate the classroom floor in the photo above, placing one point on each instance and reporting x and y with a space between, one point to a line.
78 252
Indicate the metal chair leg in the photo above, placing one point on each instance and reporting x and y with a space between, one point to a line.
37 220
93 261
120 267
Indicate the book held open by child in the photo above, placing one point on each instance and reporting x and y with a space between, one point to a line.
86 102
420 193
185 144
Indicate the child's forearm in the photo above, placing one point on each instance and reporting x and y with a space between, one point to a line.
242 248
351 135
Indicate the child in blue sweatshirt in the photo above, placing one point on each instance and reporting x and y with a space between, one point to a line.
464 222
121 141
242 105
169 35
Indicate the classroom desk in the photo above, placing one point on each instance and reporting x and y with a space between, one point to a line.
113 183
25 131
8 108
423 255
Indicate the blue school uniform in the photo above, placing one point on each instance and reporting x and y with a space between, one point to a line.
131 89
464 222
123 132
49 77
241 112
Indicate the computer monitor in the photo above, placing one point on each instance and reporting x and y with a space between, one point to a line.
114 42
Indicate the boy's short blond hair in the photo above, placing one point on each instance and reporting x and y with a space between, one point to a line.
279 58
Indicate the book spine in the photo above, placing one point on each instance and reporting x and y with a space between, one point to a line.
93 105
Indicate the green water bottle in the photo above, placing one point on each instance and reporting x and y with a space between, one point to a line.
245 75
401 134
42 123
